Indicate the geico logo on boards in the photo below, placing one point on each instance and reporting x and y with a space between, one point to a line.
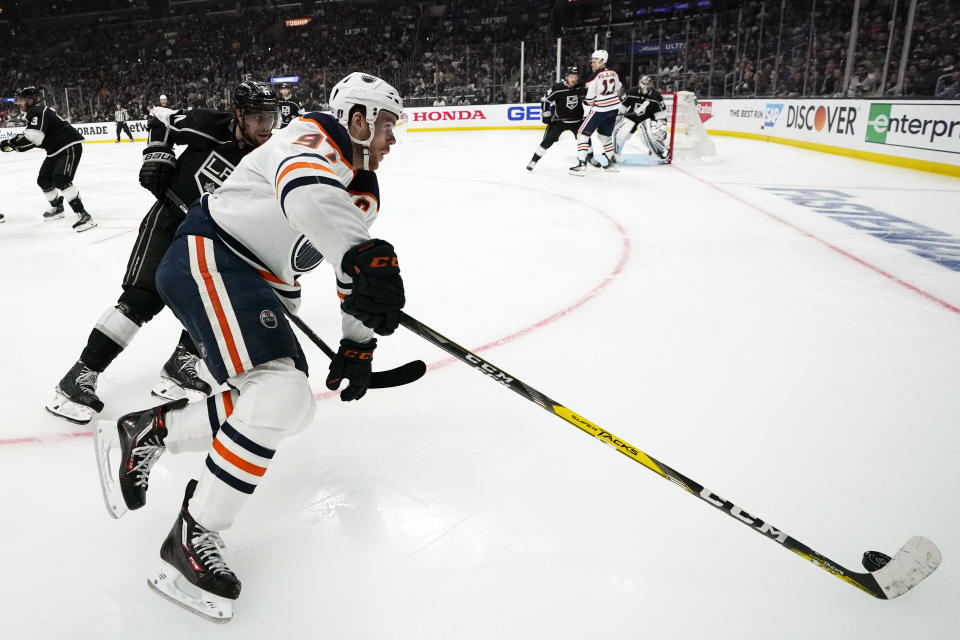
449 114
530 112
832 119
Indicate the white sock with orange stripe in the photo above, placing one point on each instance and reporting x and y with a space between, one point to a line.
275 401
193 427
583 147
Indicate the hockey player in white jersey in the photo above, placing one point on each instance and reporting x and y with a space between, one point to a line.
307 195
603 102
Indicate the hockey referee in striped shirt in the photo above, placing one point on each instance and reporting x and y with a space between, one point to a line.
121 116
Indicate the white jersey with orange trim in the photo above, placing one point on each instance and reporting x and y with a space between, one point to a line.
603 90
288 205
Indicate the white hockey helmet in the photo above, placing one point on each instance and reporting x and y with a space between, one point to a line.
163 97
601 55
374 94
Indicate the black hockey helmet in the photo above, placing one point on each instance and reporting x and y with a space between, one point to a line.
28 92
254 96
572 69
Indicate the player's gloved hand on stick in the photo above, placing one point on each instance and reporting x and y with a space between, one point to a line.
6 146
354 361
157 170
377 295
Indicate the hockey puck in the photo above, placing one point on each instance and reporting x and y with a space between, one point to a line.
874 560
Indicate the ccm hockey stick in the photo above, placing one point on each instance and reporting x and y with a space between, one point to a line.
404 374
886 577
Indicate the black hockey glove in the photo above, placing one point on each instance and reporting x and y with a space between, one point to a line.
354 361
157 171
377 295
6 146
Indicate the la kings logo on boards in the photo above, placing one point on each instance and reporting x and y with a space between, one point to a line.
212 173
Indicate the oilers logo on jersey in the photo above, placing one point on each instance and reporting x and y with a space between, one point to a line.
305 256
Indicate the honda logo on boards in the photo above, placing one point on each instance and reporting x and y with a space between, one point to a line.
449 114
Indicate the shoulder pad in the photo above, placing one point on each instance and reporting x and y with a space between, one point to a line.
334 129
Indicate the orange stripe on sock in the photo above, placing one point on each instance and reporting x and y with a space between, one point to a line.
217 306
237 461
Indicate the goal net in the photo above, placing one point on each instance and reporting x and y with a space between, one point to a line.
676 134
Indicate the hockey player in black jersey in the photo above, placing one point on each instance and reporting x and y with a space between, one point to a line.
561 110
639 105
63 144
289 108
215 142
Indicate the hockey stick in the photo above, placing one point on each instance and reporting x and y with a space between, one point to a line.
404 374
886 577
399 376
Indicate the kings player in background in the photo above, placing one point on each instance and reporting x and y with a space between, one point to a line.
63 144
561 110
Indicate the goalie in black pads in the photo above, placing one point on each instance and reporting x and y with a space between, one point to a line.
643 110
215 142
562 110
63 144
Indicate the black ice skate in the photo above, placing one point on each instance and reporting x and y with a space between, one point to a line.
75 398
531 165
579 169
179 378
55 212
1 218
126 452
192 571
84 222
593 161
611 165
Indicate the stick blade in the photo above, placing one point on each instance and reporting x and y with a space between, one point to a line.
916 560
404 374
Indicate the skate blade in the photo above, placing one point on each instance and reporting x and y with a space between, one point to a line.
169 390
171 584
63 407
59 216
105 441
86 226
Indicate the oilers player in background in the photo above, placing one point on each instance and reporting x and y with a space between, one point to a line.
63 144
215 142
643 104
561 110
308 194
603 102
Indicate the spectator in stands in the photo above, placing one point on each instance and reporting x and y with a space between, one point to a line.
833 84
864 83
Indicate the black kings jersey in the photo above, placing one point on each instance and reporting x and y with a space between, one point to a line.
212 149
565 103
49 131
288 111
634 99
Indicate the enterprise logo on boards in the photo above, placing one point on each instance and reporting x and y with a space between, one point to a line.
927 243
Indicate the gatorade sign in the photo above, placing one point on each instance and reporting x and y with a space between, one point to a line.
934 126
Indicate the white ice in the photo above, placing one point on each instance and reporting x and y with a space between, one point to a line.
800 367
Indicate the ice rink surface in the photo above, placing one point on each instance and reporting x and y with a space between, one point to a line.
801 364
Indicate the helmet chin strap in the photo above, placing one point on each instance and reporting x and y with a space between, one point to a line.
365 144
